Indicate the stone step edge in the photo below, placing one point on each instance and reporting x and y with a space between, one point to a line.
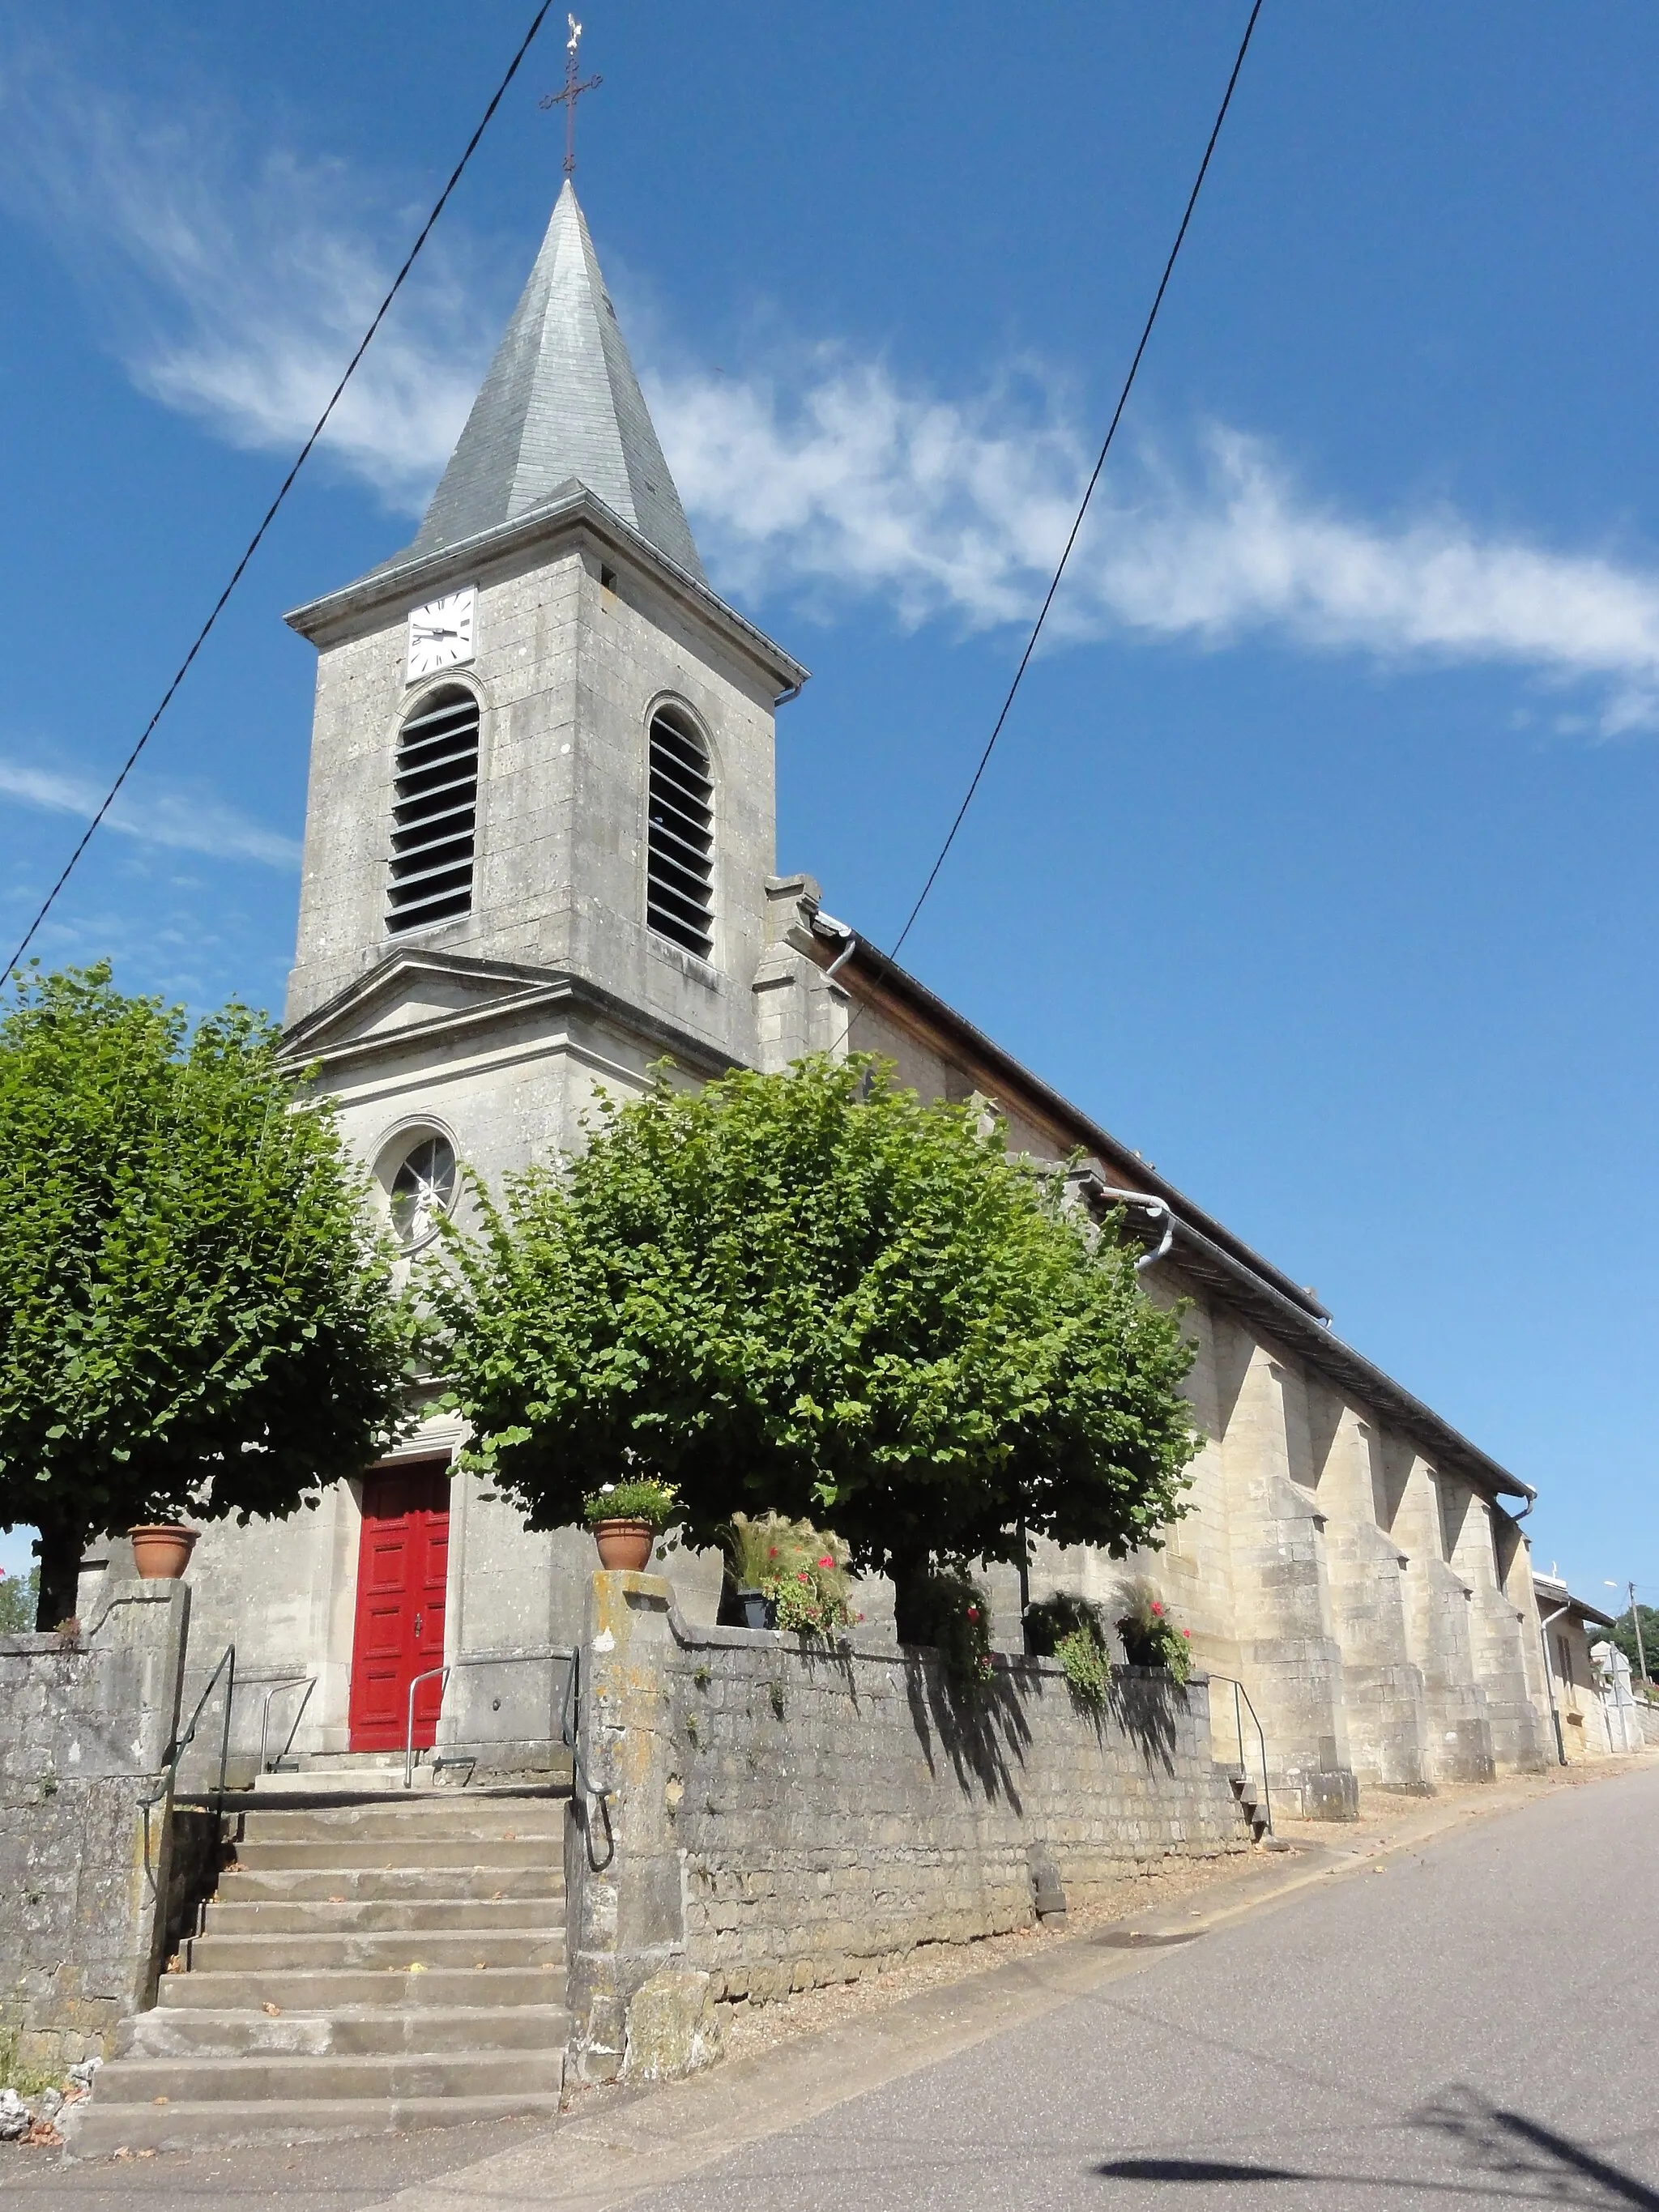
307 2073
93 2132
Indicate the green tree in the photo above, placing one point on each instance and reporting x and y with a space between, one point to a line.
1623 1633
20 1597
815 1292
198 1316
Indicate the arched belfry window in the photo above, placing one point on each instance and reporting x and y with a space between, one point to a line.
680 835
434 811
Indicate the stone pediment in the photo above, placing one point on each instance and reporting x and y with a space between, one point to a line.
414 995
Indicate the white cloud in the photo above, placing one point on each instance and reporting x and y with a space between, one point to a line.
961 510
185 820
240 295
826 477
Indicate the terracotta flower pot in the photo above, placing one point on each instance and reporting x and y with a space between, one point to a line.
161 1553
624 1546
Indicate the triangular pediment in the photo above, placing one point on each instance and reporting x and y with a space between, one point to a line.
415 994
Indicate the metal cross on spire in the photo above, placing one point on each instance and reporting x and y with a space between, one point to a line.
571 93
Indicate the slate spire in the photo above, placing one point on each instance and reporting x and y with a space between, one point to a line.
561 401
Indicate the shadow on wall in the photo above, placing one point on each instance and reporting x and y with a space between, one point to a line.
979 1725
983 1727
1495 2155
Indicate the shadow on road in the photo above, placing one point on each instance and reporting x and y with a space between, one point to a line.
1499 2155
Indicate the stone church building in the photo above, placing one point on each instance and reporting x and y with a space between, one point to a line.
538 857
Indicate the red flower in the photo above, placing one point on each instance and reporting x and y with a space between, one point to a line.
826 1561
801 1575
1157 1610
973 1612
771 1551
1185 1631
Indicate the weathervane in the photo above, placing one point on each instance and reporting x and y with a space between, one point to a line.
571 93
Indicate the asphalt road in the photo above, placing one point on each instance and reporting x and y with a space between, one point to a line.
1472 2026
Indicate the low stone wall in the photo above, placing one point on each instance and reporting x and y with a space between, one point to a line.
762 1812
86 1725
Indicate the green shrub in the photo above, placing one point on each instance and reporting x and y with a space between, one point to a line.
950 1611
1070 1630
646 1500
801 1569
1151 1639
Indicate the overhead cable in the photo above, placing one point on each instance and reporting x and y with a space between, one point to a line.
1089 491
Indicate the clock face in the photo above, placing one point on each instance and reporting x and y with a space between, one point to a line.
441 635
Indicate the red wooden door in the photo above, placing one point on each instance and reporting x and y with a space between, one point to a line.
402 1558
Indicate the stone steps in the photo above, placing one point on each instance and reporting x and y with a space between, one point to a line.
340 1915
422 1948
296 1884
295 1990
195 2031
97 2129
261 1856
303 2076
363 1965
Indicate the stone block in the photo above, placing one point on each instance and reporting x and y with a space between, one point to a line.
672 2028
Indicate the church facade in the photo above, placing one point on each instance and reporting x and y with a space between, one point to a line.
539 856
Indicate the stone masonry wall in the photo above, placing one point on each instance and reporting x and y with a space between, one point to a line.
779 1814
86 1725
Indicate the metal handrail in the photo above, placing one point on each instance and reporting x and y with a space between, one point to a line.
287 1682
1241 1693
488 1659
181 1744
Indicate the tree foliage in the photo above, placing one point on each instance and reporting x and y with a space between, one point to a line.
815 1293
1623 1634
197 1317
20 1597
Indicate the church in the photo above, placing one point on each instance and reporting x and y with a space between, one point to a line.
540 856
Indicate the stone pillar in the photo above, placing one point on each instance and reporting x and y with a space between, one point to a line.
1290 1660
1388 1722
638 2009
1496 1628
1438 1604
86 1725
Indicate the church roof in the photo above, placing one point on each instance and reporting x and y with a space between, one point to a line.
561 402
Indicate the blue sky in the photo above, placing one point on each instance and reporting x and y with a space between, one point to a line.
1318 861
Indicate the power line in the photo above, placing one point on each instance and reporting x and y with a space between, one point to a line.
1089 493
285 486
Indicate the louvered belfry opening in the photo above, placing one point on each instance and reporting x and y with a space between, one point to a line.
434 814
680 839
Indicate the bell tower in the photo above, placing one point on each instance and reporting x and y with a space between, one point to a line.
540 821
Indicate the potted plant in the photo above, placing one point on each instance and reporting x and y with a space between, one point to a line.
162 1550
626 1518
788 1574
1151 1639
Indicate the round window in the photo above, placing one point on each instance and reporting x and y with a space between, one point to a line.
422 1190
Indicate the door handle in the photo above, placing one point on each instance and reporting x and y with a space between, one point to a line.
418 1628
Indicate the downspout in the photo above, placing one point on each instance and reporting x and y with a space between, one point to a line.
1544 1621
1153 1205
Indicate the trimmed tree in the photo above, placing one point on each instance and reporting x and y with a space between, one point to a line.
199 1314
817 1293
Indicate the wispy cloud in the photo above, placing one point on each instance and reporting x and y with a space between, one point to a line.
238 292
824 476
185 820
843 480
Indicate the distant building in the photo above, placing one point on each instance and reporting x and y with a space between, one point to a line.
1591 1700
